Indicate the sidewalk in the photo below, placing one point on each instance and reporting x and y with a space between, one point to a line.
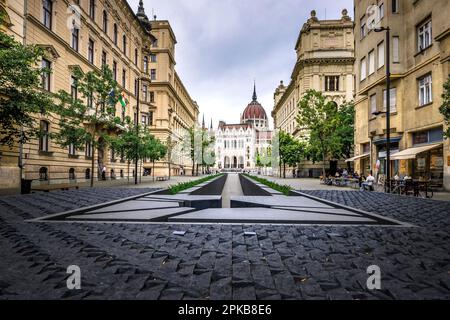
146 182
314 184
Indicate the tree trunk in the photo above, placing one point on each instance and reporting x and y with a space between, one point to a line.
284 170
193 168
128 170
153 170
170 170
93 159
323 165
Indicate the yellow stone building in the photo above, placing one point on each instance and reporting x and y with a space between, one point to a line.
325 61
140 52
420 55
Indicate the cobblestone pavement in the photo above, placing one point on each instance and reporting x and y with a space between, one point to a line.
146 261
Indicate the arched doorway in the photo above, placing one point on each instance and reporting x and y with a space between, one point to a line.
72 174
241 162
226 162
235 162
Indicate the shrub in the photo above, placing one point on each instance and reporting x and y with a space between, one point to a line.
186 185
285 189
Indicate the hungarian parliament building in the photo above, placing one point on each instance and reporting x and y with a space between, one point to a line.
244 146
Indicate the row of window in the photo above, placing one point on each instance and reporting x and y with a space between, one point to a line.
381 59
364 27
425 95
44 176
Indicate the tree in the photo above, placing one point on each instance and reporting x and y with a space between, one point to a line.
170 144
138 144
330 133
291 151
20 95
445 107
89 120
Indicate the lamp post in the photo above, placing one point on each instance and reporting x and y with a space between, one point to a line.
388 106
137 131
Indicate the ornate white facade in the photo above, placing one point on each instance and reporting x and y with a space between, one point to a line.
237 146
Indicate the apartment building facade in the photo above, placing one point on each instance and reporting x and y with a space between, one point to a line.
325 63
141 54
419 55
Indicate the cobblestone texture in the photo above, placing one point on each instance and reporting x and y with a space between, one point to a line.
138 261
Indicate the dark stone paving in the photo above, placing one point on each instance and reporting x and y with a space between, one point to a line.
146 261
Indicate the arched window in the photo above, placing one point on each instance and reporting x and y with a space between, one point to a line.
121 173
105 22
115 34
112 174
43 139
87 174
72 174
43 174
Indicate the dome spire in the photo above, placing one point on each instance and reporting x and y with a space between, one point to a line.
254 92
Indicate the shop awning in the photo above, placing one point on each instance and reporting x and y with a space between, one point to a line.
411 153
357 157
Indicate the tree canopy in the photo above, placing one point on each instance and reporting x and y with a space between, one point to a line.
21 98
445 107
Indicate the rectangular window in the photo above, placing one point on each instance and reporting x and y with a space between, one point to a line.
381 53
331 83
381 10
395 8
124 78
43 139
152 96
75 35
425 90
46 66
73 88
395 49
373 104
90 101
392 99
144 119
153 57
144 93
424 35
105 22
91 51
145 64
371 62
114 70
103 58
135 87
363 29
88 150
135 56
150 118
153 74
92 9
428 136
124 44
363 69
47 7
72 150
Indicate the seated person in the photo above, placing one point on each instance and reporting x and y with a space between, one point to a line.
368 184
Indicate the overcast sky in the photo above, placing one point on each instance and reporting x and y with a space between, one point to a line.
223 45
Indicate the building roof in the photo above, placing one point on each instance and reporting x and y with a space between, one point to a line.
254 109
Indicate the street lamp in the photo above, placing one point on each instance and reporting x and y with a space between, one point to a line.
388 106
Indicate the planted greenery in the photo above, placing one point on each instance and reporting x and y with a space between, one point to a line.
275 186
186 185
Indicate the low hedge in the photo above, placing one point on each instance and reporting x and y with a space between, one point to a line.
186 185
285 189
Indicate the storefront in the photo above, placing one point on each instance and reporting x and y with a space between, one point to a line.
380 165
424 162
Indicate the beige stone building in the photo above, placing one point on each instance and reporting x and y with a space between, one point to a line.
135 48
325 61
420 55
